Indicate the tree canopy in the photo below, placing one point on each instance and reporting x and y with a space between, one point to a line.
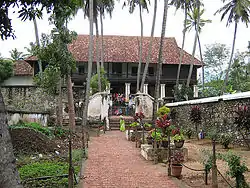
6 69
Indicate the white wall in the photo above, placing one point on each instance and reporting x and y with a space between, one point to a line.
19 81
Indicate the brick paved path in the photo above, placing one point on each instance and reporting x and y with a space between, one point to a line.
114 162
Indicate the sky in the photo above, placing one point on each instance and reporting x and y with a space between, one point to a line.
124 23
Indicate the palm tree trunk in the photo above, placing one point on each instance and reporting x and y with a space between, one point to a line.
203 78
90 60
149 48
102 50
97 56
140 53
159 65
8 173
182 48
37 43
230 60
194 46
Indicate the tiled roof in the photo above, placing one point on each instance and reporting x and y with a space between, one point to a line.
22 68
126 49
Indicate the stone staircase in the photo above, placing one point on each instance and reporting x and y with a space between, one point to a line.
114 121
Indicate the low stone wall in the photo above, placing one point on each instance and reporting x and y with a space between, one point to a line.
14 117
216 112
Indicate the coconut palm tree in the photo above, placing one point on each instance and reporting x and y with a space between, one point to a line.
186 5
142 5
192 22
160 59
108 6
37 43
90 61
16 55
238 10
197 6
149 48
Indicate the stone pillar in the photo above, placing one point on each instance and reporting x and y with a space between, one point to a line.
145 88
195 91
127 91
162 91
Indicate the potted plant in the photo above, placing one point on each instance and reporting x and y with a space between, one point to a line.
176 163
164 142
156 135
178 138
147 126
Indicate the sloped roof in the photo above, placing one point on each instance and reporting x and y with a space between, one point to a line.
22 68
126 49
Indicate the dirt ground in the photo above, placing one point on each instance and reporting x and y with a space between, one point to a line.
196 179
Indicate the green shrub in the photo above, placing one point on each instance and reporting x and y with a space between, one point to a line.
188 133
60 132
225 139
163 111
36 126
41 169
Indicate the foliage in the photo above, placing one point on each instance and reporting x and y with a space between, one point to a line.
177 135
177 158
47 168
236 168
27 9
182 92
225 139
213 134
207 159
94 82
16 55
156 135
242 118
147 125
49 80
60 132
35 126
163 111
195 114
6 69
163 122
134 124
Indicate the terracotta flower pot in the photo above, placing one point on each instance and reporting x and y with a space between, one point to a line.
179 144
176 170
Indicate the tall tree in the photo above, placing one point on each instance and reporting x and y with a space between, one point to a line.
142 5
192 22
186 5
197 6
160 59
238 10
149 48
90 60
37 43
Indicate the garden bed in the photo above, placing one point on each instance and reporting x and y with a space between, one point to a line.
196 179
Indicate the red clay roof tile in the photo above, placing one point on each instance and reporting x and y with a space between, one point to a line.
22 68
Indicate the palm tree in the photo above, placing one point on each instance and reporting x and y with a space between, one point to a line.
90 60
192 22
142 5
197 6
149 48
160 59
108 6
16 55
238 10
186 5
37 43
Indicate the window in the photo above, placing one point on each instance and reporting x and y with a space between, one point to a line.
117 68
81 69
134 71
151 71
